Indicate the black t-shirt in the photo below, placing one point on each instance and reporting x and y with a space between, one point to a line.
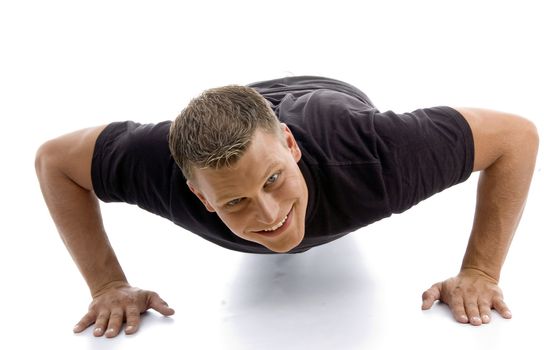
360 164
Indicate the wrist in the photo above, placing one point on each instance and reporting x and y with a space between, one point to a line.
478 272
120 283
482 261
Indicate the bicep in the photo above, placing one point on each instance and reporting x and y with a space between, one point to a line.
493 133
72 154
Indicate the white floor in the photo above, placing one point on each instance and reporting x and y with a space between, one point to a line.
66 66
362 291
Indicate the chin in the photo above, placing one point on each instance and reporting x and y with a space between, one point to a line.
284 247
280 250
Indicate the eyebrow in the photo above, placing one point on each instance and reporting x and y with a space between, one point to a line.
227 198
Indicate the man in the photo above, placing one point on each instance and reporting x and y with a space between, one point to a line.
282 166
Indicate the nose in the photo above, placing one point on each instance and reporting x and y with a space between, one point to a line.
267 209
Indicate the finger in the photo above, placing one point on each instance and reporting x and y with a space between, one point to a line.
133 319
485 311
85 322
157 304
457 306
500 306
473 312
115 322
101 323
430 296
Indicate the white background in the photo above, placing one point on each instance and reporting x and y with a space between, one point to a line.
66 65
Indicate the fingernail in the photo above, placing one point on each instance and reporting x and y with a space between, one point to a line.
76 328
464 318
485 318
476 319
98 330
130 328
508 314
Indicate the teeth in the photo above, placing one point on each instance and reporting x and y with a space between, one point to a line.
277 226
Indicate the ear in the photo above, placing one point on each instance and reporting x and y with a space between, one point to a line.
291 142
200 196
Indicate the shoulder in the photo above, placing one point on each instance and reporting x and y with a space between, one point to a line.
71 154
131 137
131 131
332 126
497 132
130 156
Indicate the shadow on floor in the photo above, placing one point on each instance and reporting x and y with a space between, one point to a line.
323 297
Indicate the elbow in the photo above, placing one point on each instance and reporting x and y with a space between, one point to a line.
45 158
40 159
530 136
524 140
535 135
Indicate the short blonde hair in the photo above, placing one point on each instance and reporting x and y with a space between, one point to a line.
216 128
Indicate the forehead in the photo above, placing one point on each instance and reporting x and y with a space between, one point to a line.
264 154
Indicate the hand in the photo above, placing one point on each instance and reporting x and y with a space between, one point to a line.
111 306
470 295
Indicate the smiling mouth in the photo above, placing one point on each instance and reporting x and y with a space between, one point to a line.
279 226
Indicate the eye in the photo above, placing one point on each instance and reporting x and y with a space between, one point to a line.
272 179
233 202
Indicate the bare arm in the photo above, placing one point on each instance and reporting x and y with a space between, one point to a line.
63 167
502 190
505 152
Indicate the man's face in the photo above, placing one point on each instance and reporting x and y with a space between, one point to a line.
261 198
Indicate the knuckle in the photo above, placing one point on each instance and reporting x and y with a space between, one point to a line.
497 300
471 290
114 302
133 321
90 315
93 307
131 300
500 307
457 292
132 310
484 303
116 315
101 322
86 321
105 315
428 294
471 305
457 306
458 309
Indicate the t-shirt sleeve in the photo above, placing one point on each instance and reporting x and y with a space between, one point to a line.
422 153
132 163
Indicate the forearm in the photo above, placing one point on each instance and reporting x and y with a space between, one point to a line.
63 166
76 213
502 192
505 149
